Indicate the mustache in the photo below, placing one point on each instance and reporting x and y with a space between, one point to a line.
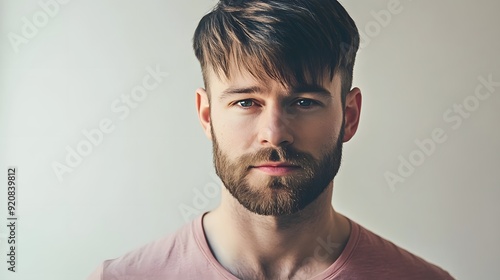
281 154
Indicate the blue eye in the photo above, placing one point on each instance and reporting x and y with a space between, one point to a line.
305 102
245 103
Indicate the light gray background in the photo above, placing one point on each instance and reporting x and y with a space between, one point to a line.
130 188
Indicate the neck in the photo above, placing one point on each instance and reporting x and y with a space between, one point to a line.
255 246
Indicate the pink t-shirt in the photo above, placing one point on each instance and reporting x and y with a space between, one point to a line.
186 255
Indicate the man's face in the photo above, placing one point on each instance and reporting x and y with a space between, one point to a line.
275 149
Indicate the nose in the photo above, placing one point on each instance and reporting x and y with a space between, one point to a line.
275 127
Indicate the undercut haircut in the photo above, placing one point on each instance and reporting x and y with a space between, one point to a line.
294 42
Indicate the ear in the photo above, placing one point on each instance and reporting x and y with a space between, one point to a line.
203 108
352 112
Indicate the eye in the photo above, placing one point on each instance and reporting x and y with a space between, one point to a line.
247 103
306 103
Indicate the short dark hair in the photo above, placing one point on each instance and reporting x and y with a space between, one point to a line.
292 41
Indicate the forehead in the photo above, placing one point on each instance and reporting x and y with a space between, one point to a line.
242 81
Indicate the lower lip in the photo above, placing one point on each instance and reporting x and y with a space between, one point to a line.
277 170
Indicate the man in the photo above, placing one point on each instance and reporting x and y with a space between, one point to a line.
277 105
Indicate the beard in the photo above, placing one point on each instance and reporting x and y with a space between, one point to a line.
278 195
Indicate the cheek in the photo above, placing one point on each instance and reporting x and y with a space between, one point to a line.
319 131
233 133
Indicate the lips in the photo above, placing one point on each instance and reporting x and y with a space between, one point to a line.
276 164
276 168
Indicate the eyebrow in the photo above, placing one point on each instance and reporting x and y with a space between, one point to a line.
315 89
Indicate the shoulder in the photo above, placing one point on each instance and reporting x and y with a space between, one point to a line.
155 259
372 253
